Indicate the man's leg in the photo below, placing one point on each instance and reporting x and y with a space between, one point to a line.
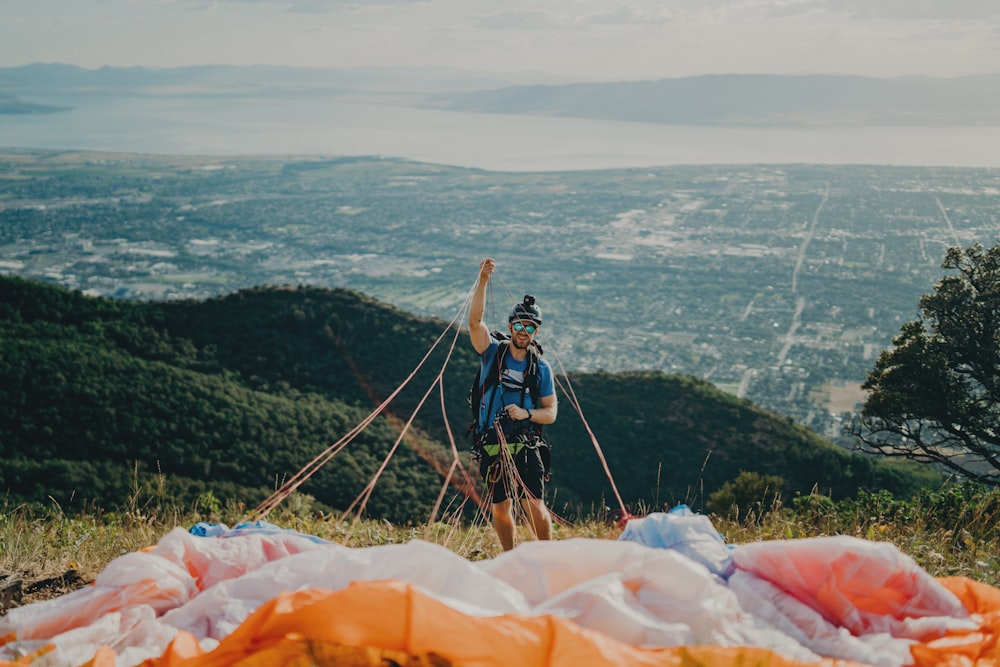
532 472
503 523
538 517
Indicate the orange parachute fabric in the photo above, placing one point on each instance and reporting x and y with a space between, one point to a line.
978 647
398 619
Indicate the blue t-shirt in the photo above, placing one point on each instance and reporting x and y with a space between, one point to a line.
511 382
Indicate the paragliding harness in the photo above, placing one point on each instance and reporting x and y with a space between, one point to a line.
519 435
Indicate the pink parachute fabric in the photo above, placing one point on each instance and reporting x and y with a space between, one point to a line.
258 595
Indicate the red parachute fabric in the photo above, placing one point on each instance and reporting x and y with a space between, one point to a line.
863 586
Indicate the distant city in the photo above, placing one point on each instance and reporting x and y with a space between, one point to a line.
780 284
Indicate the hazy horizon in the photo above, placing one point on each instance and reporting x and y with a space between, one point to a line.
589 40
495 142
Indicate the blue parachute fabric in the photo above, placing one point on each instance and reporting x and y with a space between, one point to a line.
686 532
206 529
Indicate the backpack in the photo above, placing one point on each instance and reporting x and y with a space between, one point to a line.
491 382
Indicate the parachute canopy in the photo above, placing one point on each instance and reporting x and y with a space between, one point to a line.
668 592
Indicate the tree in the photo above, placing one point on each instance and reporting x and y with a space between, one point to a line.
935 396
750 496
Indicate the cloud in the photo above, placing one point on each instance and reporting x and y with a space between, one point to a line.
901 10
909 10
640 14
629 16
527 19
296 6
790 8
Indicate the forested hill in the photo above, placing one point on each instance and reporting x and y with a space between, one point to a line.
102 399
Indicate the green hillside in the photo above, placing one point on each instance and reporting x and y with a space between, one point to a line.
235 394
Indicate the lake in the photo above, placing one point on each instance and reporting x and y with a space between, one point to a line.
190 125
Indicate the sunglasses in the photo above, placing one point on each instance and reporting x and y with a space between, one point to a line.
530 328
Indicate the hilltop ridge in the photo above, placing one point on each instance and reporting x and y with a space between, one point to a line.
231 395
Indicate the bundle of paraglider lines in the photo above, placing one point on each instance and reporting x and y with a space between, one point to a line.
457 474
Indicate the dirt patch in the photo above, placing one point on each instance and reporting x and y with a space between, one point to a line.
839 397
16 592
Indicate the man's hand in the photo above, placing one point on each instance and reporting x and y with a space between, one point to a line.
516 412
480 333
544 413
486 269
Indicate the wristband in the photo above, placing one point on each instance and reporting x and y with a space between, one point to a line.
529 415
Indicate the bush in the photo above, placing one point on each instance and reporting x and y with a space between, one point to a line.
747 498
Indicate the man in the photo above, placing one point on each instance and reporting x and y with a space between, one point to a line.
507 403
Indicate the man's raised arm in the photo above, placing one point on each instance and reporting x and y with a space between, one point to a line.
478 330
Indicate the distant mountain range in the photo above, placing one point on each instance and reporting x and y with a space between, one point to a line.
50 78
753 99
729 99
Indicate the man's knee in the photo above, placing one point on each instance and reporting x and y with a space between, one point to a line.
504 510
536 508
540 518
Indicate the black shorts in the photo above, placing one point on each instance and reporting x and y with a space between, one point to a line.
502 483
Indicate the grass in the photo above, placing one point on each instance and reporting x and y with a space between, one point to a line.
950 532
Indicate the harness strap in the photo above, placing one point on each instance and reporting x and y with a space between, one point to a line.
513 447
494 380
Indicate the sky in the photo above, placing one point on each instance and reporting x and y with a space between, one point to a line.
583 40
